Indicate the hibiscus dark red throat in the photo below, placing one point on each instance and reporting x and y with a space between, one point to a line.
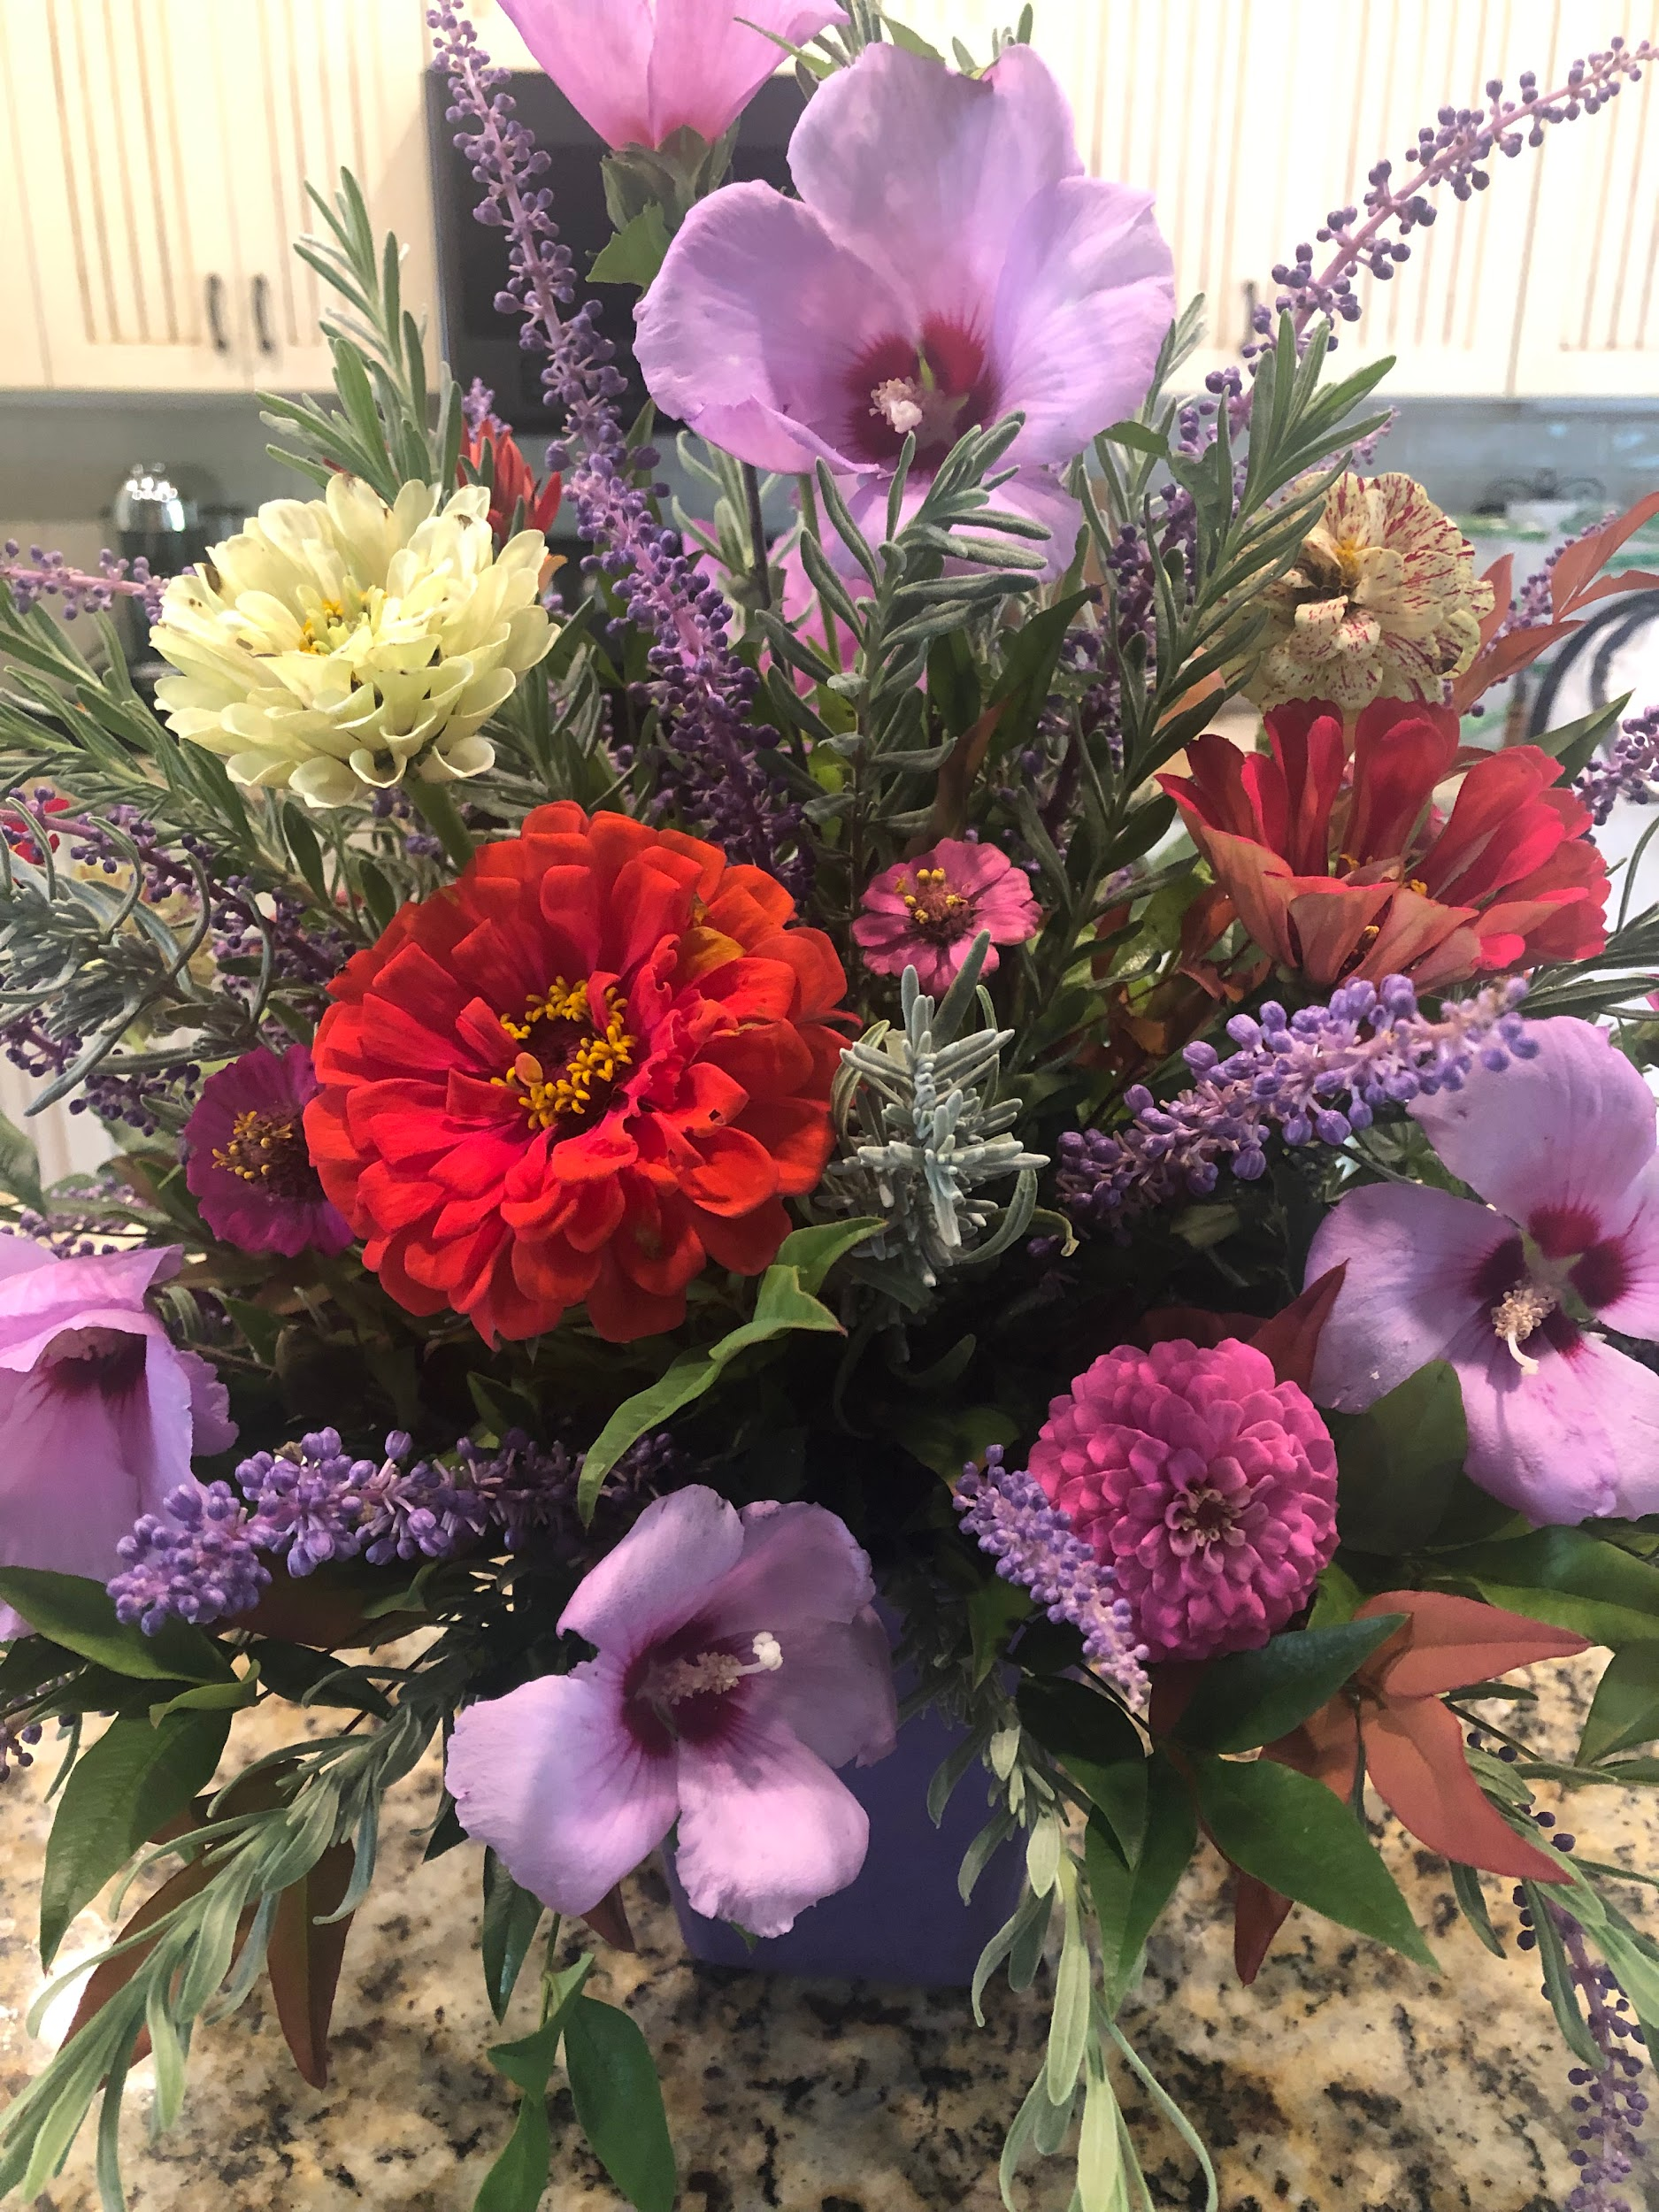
595 1064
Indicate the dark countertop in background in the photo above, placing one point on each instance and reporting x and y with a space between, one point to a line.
1347 2078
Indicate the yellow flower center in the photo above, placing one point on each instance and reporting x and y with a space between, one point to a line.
569 1063
934 909
323 629
268 1150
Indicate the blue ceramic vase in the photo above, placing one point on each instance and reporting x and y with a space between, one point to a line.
903 1919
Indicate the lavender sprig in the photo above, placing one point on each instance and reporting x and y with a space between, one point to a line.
701 692
1034 1543
311 1502
47 575
1321 1072
1629 768
1456 149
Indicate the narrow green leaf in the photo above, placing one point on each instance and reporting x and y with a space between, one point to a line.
511 1916
19 1167
1568 1577
377 895
518 2180
1559 1985
130 1783
1255 1697
619 2102
80 1615
1128 1901
1292 1833
813 1252
636 252
1068 2026
308 853
1139 437
1471 1900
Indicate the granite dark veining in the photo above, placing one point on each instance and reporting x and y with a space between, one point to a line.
1347 2078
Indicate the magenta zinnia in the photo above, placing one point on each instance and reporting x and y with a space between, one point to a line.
925 913
246 1160
1205 1484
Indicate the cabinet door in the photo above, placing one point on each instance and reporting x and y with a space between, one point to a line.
312 87
119 134
22 327
1590 321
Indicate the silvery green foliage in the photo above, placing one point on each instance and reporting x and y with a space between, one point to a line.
923 1135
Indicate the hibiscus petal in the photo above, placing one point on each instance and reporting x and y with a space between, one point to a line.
1577 1440
755 326
1554 1143
1414 1755
766 1827
1413 1256
1086 296
707 64
660 1578
551 1777
925 174
1620 1277
597 52
834 1689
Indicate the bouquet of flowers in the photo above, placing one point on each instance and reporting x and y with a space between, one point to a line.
761 1117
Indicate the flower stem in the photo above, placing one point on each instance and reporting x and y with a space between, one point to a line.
759 568
432 802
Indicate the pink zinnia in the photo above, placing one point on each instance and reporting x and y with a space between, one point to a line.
925 913
1206 1485
639 72
1562 1147
739 1659
247 1162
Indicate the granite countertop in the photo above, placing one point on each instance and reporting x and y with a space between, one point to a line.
1348 2078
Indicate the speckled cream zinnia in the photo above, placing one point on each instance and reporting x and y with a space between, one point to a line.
1383 602
334 644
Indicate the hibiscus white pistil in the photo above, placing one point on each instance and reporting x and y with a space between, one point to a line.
712 1673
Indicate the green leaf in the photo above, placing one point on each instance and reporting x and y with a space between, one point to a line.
1128 1901
619 2103
1471 1899
992 1610
1140 438
911 41
511 1916
377 895
1068 1718
784 1303
1399 1461
518 2180
1032 655
1625 1709
1560 1986
258 1325
80 1615
317 1678
308 855
635 254
1574 743
120 1792
1338 1598
1292 1834
1255 1697
1566 1577
19 1167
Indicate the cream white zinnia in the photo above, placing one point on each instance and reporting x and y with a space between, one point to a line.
335 642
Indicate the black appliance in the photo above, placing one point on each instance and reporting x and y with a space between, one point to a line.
478 339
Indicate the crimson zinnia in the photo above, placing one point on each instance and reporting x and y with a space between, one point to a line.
1363 880
597 1061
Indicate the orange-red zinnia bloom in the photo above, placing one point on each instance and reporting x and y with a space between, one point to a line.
1364 882
595 1063
511 481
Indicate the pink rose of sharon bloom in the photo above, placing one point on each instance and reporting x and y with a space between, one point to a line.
639 72
947 264
740 1659
925 913
1208 1485
247 1162
1562 1147
99 1412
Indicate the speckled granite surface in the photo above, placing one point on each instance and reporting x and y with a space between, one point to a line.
1347 2078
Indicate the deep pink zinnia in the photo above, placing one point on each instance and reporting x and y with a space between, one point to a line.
925 913
1208 1487
947 264
246 1160
738 1660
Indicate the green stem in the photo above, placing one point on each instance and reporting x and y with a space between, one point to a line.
760 569
432 802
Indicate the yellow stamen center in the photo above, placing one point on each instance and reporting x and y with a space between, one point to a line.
935 909
712 1673
267 1149
1518 1313
569 1062
322 629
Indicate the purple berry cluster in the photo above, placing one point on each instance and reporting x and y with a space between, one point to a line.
46 575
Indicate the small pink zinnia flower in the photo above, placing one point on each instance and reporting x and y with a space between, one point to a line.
925 913
739 1659
1207 1485
246 1160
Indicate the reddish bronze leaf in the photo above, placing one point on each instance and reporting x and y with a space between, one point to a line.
1291 1338
1576 563
1414 1754
1258 1914
303 1959
609 1921
1449 1641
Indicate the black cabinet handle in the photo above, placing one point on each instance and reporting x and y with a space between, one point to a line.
216 313
262 315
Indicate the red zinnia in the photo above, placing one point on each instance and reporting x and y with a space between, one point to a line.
1365 881
595 1063
511 480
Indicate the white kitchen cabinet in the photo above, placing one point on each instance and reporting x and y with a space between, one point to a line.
163 148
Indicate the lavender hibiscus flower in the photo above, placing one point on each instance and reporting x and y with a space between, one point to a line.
100 1413
1563 1147
638 71
947 264
739 1661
